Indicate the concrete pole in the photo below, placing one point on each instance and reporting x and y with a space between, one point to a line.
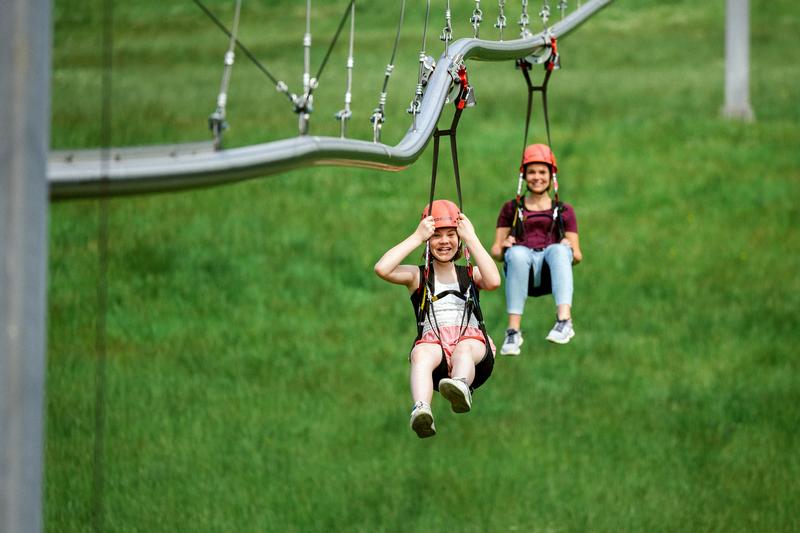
737 60
25 41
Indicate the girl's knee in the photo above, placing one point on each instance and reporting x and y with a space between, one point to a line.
470 350
426 354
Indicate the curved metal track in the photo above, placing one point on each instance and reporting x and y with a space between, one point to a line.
97 173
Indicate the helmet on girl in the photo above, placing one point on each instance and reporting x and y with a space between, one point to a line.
539 153
445 214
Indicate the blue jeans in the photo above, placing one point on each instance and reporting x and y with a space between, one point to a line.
520 259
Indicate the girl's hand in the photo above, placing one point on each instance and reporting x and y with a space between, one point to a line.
566 242
509 242
425 229
465 229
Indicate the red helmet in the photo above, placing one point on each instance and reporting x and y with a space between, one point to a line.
539 153
445 214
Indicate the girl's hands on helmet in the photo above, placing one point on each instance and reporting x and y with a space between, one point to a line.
465 229
425 229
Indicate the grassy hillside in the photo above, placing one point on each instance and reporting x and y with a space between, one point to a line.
256 377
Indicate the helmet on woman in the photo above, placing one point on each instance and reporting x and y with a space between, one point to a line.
445 214
539 153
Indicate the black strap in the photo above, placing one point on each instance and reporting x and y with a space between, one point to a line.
518 224
450 132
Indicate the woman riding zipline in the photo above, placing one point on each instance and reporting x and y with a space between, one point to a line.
452 351
544 238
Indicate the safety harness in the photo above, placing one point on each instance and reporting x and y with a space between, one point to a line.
422 300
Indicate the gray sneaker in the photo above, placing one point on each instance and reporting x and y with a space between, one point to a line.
422 420
512 342
456 391
562 332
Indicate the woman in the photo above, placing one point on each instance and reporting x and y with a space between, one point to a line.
546 239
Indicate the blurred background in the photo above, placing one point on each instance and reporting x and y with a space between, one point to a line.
255 376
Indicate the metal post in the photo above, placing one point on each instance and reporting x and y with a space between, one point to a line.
737 60
25 41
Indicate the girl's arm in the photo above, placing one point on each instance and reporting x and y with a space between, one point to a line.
571 240
486 275
389 268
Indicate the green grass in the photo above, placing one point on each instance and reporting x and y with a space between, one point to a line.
256 370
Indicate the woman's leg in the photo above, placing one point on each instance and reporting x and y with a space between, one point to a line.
559 259
424 359
518 265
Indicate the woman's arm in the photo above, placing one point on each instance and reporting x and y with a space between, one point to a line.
502 240
487 276
571 240
389 268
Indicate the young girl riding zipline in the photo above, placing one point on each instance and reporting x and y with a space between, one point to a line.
452 352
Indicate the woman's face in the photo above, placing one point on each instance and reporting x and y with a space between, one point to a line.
444 244
537 176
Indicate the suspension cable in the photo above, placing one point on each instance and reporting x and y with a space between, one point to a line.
447 31
216 121
424 65
345 114
476 19
378 115
501 17
544 14
280 86
304 104
524 20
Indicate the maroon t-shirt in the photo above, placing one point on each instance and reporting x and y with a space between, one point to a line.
537 223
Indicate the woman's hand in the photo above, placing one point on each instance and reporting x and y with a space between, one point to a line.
509 241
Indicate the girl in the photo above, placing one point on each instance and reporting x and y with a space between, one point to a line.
452 352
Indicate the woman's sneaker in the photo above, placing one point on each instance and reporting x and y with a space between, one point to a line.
422 420
512 342
456 391
562 332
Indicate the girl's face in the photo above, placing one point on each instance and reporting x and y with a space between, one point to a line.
444 244
537 175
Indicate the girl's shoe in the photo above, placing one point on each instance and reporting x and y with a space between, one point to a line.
422 420
456 391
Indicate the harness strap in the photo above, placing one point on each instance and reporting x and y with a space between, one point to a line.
552 63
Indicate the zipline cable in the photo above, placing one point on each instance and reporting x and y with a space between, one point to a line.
423 66
216 121
280 86
378 114
304 104
345 114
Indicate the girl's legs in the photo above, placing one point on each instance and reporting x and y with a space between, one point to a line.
455 389
424 360
466 355
559 259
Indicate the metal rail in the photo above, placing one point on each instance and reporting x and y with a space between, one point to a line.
78 174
